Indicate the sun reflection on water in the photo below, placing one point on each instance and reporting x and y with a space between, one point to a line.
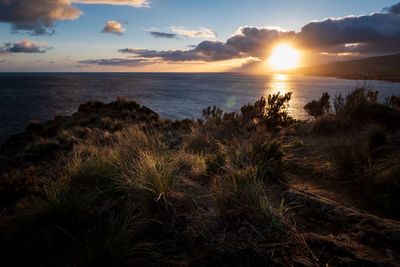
282 83
279 83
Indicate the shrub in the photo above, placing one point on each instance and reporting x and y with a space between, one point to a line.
318 108
71 225
277 114
268 159
153 175
215 163
352 160
194 164
352 104
213 114
240 194
271 112
96 210
197 141
376 137
394 101
326 125
256 111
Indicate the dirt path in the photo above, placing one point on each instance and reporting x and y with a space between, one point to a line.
337 223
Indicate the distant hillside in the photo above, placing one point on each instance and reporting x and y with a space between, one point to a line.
373 68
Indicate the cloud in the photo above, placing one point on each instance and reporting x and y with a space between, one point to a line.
257 41
134 3
377 33
36 16
395 9
181 31
202 33
39 16
116 62
113 27
168 55
163 35
205 51
24 46
247 42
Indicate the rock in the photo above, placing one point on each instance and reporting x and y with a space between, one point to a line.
91 106
34 126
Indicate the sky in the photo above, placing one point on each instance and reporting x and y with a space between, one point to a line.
186 36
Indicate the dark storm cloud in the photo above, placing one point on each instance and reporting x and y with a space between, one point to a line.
23 46
116 62
36 16
252 40
163 35
378 29
395 9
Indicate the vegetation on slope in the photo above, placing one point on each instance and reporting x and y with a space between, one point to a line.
222 190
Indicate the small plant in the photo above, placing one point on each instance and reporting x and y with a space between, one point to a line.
213 114
394 101
197 141
318 108
376 137
353 102
240 193
268 159
153 175
352 160
271 112
215 163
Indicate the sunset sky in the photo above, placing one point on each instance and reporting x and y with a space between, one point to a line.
185 35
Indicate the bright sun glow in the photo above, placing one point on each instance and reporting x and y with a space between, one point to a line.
284 57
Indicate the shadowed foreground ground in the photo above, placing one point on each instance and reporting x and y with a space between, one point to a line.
114 185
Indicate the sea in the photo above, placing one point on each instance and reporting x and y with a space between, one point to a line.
42 96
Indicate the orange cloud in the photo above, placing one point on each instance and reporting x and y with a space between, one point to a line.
135 3
23 46
113 27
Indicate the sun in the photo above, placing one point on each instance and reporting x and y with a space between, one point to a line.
284 57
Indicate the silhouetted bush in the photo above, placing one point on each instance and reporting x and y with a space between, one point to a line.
353 102
326 125
213 114
356 107
394 101
318 108
271 112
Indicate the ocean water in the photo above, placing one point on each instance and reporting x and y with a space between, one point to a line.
41 96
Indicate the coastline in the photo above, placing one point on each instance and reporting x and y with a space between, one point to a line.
353 77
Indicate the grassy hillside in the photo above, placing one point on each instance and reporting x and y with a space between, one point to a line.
114 185
374 68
